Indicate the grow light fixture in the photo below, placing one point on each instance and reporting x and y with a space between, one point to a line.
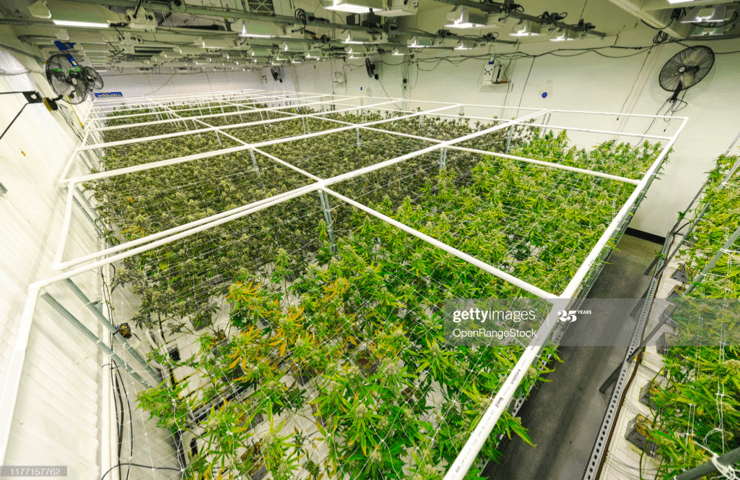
420 42
245 34
525 28
465 45
357 40
214 43
701 14
400 51
76 23
353 6
460 17
708 32
295 61
562 35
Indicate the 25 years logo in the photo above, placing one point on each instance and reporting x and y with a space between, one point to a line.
566 316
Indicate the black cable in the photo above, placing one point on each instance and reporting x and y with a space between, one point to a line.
635 82
657 28
131 421
525 86
14 119
119 420
141 466
138 5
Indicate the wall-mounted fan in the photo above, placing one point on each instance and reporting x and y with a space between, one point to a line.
66 78
370 69
276 74
93 78
685 69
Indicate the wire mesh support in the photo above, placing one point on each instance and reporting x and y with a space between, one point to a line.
94 338
443 159
326 210
698 218
708 268
508 139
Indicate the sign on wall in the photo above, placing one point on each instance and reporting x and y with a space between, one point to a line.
108 94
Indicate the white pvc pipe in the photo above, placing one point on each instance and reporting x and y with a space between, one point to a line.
207 226
214 153
451 250
212 115
15 371
172 231
113 103
288 117
259 100
500 402
272 201
596 251
608 132
548 164
58 257
617 114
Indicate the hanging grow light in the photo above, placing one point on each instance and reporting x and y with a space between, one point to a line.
420 42
353 6
465 45
562 35
257 31
702 14
525 28
460 17
400 51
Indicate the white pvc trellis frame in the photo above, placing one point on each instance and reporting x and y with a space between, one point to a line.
92 261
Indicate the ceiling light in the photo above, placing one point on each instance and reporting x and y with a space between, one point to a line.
702 14
252 34
562 35
679 1
525 28
465 45
356 49
353 6
400 51
295 61
420 42
460 17
351 39
75 23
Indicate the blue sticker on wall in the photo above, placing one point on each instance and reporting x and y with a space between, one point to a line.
108 94
544 94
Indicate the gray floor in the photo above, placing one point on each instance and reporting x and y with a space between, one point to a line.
563 417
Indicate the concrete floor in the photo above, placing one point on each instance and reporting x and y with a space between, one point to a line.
563 416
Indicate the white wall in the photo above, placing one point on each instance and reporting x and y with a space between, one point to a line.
142 84
62 415
585 82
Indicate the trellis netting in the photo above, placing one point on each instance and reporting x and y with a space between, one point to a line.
268 297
